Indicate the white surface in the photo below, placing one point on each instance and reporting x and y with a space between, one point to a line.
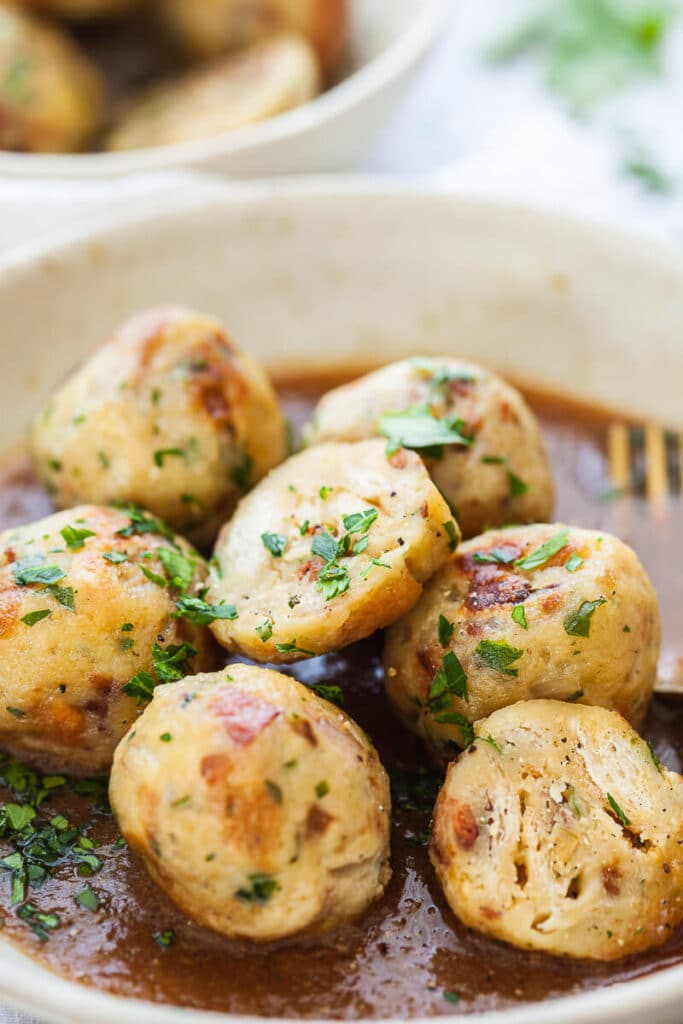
388 40
310 261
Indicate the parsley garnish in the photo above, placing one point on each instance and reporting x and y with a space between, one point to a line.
331 693
623 819
333 580
34 617
170 664
17 712
516 485
262 887
519 616
322 789
115 557
446 629
496 556
449 680
462 723
325 492
265 630
179 568
325 545
33 570
141 522
417 428
165 938
292 648
453 535
274 791
141 686
275 543
360 522
499 655
65 596
545 552
88 899
162 454
574 562
195 610
579 623
490 740
75 538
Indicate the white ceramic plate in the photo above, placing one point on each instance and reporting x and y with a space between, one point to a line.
320 273
388 40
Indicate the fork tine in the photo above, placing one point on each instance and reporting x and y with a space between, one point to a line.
656 467
619 456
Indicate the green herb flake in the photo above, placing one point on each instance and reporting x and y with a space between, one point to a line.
265 630
75 538
490 740
333 580
33 570
499 655
140 523
449 679
88 899
16 712
162 454
166 737
32 617
261 889
172 663
655 760
519 616
115 557
140 686
322 789
275 543
165 938
453 535
195 610
451 997
623 819
496 556
360 522
330 692
579 622
545 552
274 791
462 723
127 627
293 648
418 429
573 697
516 485
574 562
446 629
179 568
325 492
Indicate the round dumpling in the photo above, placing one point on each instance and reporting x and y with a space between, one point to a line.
88 624
332 545
262 810
208 28
51 95
559 830
80 10
532 611
270 78
480 441
169 414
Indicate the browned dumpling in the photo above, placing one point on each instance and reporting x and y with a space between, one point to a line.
480 441
335 543
88 624
531 611
208 28
262 810
50 93
560 831
170 414
270 78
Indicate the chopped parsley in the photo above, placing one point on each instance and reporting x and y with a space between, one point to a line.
195 610
418 428
274 791
141 522
261 889
165 938
171 664
374 562
574 562
519 616
275 543
88 899
462 723
333 580
360 522
166 737
32 617
330 692
39 923
490 740
293 648
115 557
655 760
623 819
450 680
499 656
322 788
179 568
16 712
516 485
446 629
535 559
451 997
65 596
33 570
325 492
325 545
452 534
162 454
75 538
496 556
579 622
265 630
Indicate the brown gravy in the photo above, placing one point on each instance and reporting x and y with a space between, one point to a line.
408 956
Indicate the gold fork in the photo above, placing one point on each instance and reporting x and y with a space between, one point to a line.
646 472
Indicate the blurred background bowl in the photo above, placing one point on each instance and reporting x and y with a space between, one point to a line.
388 39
